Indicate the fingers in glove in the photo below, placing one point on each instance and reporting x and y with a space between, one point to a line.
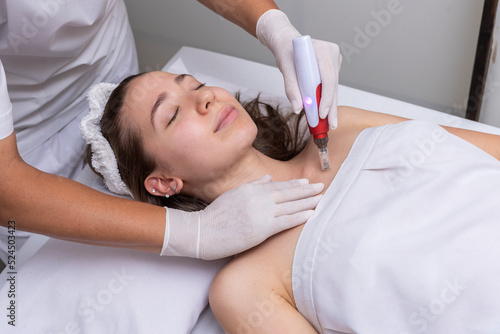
297 193
291 85
295 100
329 83
333 115
285 222
287 184
329 62
329 95
289 208
265 179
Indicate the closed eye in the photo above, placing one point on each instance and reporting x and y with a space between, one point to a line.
174 117
177 109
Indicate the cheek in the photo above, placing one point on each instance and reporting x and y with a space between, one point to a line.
222 93
177 150
245 132
191 145
188 133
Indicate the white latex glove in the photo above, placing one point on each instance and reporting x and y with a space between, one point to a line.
275 31
240 218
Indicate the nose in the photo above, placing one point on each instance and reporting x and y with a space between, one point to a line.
205 100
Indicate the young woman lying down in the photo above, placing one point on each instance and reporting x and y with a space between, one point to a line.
405 236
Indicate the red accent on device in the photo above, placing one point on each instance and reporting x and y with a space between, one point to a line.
321 130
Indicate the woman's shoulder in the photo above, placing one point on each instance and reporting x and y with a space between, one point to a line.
258 277
352 117
267 264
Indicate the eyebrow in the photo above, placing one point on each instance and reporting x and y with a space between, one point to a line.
163 96
180 77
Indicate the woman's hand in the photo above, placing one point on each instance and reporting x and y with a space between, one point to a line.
240 218
275 31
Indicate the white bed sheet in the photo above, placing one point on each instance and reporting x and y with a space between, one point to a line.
68 287
250 78
70 273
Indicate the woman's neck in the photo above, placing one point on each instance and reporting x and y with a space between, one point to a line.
255 165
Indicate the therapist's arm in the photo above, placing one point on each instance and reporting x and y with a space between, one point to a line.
55 206
273 29
58 207
244 13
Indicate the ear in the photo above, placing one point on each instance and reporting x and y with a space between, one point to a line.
163 186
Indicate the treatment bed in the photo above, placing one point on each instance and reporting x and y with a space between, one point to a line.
65 287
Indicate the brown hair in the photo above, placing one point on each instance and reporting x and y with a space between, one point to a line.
279 137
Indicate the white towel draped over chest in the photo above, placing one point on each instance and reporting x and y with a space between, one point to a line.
406 238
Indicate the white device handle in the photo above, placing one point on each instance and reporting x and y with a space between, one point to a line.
306 67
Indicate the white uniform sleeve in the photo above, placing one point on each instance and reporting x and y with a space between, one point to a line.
6 120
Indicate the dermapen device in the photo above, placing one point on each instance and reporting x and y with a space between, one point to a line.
309 80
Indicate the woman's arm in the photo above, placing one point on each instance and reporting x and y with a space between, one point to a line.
253 293
487 142
243 302
363 118
244 13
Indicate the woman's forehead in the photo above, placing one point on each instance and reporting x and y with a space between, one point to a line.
146 86
152 80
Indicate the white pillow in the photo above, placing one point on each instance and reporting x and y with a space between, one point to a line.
68 287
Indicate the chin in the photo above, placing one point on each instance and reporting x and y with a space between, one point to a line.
247 135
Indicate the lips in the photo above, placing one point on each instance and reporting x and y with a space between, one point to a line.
225 117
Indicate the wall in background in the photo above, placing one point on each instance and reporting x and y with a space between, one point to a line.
490 109
421 51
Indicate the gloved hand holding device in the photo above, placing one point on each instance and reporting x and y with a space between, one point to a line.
275 31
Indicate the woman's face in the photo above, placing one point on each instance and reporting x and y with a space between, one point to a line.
191 130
